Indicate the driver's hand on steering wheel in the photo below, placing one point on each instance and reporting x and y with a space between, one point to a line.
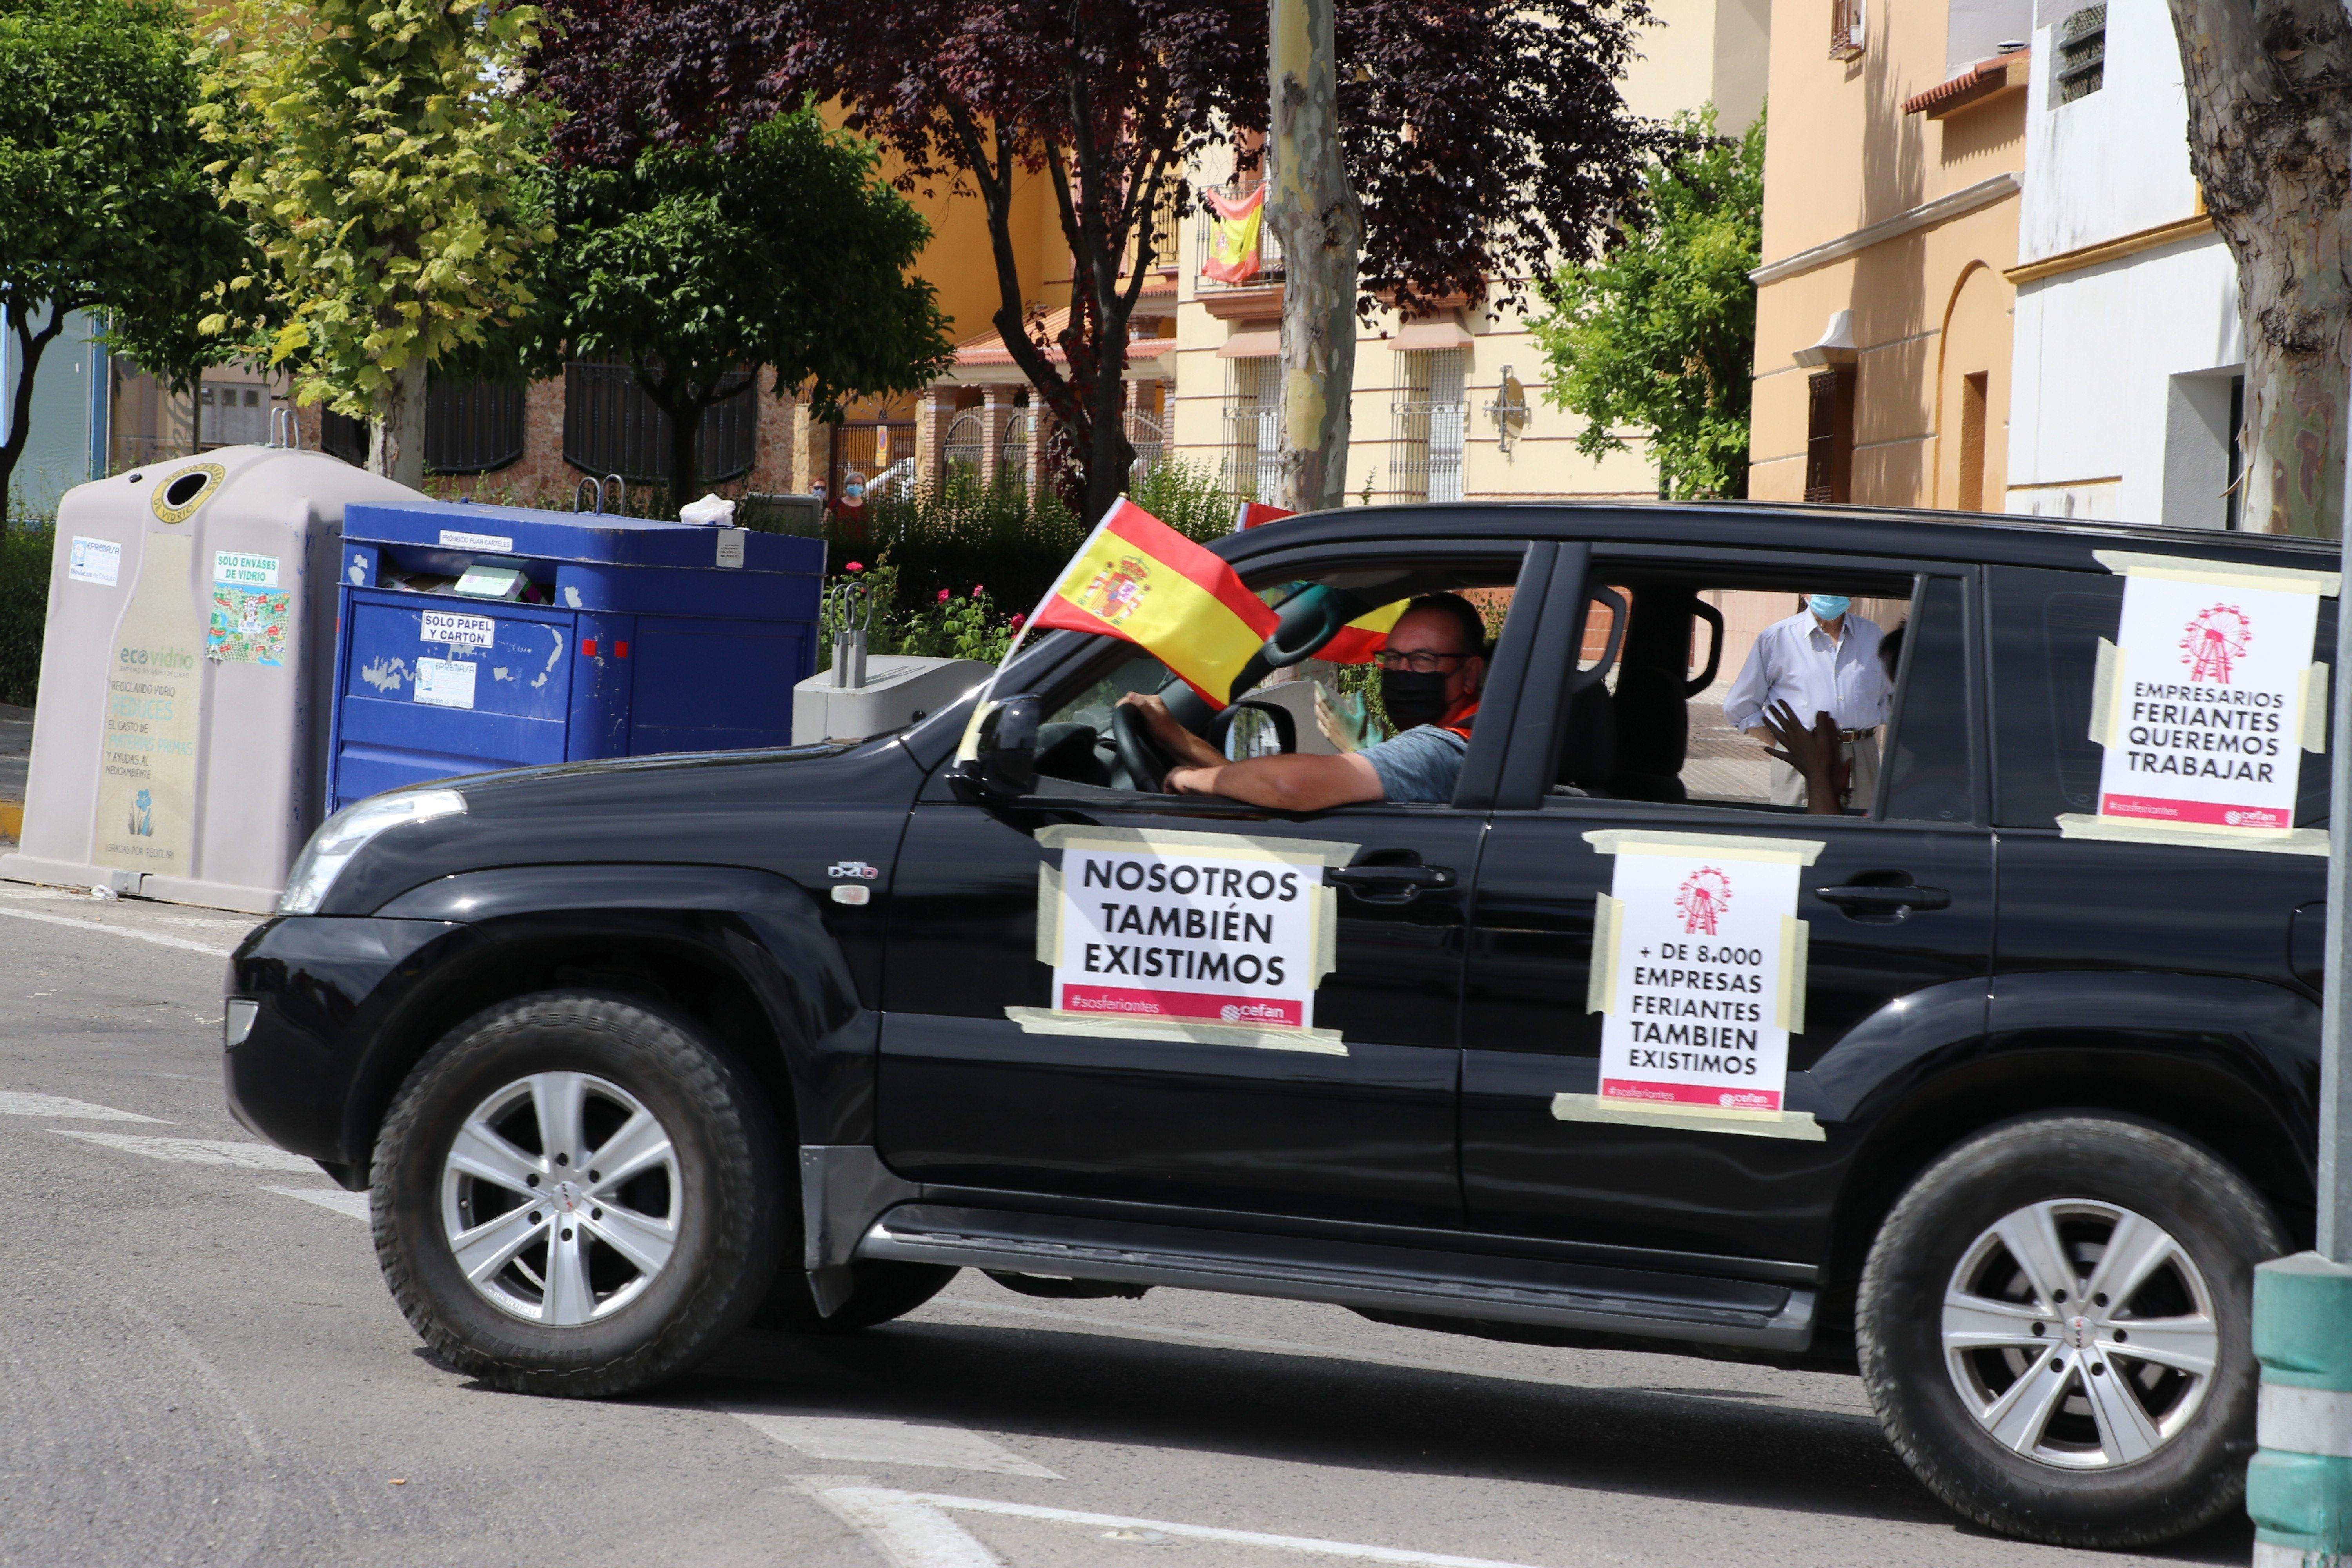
1187 749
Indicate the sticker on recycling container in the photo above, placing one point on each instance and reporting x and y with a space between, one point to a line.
444 682
459 631
97 561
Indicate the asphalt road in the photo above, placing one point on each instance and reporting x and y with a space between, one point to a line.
199 1365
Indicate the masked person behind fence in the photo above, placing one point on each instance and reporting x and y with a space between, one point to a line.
1431 671
1822 659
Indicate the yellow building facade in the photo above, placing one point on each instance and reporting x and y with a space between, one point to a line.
1891 174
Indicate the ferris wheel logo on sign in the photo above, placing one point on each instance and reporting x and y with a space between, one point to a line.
2215 640
1701 901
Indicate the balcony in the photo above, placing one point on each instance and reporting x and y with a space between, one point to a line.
1269 274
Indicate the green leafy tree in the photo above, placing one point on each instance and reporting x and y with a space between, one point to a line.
104 205
370 145
699 265
1660 334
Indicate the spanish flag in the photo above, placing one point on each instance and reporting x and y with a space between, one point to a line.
1360 639
1234 236
1139 579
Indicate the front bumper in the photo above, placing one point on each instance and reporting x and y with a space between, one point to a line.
324 987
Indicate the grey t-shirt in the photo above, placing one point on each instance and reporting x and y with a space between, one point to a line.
1424 763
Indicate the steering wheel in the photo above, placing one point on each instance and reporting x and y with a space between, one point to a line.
1147 765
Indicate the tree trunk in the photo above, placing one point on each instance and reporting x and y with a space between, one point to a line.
1313 211
2270 115
30 346
396 436
684 430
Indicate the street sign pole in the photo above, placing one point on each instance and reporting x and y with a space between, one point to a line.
2299 1486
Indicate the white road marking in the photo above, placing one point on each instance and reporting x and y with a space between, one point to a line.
14 1102
902 1515
871 1440
158 938
198 1151
354 1204
908 1533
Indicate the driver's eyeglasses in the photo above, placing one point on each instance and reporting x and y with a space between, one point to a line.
1420 661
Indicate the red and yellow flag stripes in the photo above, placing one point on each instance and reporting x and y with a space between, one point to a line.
1139 579
1362 637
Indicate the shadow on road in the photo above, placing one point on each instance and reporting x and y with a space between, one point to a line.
1698 1445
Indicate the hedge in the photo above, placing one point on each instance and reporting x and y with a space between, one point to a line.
24 608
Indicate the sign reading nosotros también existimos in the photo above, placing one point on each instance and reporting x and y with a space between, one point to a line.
1202 936
1698 970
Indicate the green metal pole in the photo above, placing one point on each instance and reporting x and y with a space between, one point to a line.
2299 1486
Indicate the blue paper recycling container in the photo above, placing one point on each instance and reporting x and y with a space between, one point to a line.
474 637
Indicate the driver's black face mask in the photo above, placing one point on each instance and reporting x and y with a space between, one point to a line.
1413 697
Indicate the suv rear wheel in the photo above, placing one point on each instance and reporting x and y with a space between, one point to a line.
574 1195
2053 1327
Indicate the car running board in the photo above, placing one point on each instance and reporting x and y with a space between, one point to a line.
1586 1298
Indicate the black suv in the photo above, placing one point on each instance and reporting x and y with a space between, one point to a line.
633 1054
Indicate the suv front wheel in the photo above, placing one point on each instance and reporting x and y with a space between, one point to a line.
574 1195
2053 1327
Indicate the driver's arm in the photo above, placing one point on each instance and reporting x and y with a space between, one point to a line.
1283 783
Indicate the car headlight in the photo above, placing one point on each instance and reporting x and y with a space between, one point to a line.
347 832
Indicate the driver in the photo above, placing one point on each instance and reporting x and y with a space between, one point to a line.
1431 671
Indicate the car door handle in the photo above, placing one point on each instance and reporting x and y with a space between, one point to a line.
1866 898
1392 881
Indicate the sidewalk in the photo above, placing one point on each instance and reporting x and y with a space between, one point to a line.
16 749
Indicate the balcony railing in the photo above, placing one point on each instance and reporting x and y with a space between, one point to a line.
1269 254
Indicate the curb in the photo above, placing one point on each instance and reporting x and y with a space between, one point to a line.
2299 1486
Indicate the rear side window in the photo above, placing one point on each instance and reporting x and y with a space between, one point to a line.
1930 775
2046 627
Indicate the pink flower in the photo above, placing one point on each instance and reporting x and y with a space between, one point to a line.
854 566
1020 621
943 596
978 591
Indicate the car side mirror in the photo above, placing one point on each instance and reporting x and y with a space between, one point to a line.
999 756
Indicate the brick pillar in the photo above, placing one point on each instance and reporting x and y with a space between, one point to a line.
808 450
996 408
934 412
772 452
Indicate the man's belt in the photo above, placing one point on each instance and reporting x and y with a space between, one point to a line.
1857 734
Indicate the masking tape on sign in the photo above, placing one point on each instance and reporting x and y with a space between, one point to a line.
2123 830
1799 1124
2313 699
1717 845
1601 988
1171 841
1796 947
1049 913
2220 574
1053 1021
2106 693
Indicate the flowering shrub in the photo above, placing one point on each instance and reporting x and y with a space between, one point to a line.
949 626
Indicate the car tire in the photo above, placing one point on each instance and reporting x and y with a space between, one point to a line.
2009 1402
880 1291
660 1259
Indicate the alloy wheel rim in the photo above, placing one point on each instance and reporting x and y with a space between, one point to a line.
560 1198
2080 1334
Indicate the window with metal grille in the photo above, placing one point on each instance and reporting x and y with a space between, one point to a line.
1846 30
2081 68
471 425
610 427
1828 434
967 442
1148 436
1252 465
1429 424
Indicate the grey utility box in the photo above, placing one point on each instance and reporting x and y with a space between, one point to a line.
899 688
179 744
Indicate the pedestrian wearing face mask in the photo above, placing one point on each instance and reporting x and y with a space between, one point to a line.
851 530
1822 660
1432 668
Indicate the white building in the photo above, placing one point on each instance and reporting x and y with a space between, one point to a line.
2127 365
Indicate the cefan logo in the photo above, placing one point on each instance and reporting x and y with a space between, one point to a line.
2215 640
1704 894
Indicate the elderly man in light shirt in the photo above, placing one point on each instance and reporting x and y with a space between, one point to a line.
1823 659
